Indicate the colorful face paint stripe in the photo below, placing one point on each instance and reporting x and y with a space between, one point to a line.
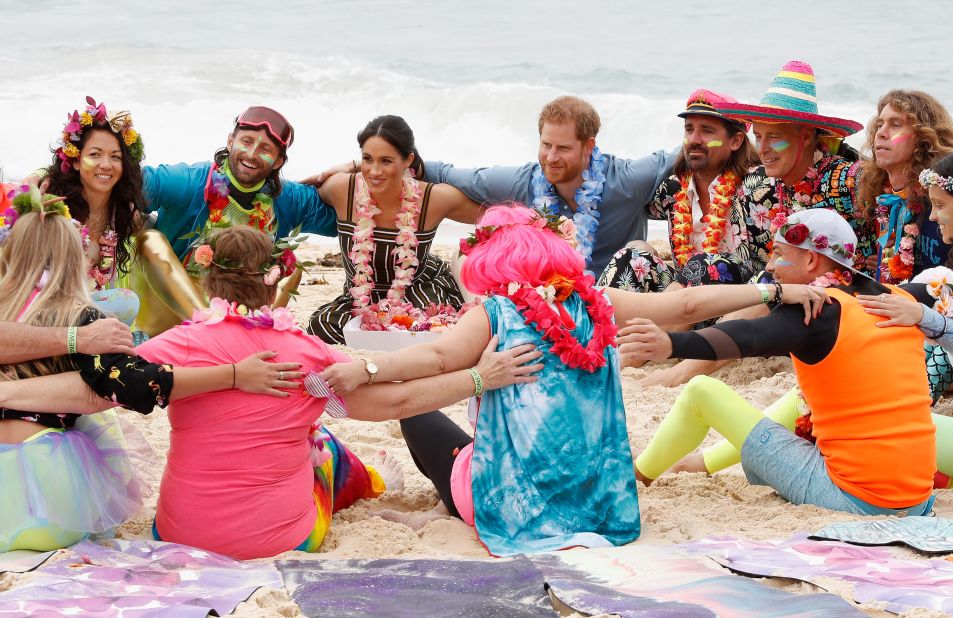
780 145
715 143
783 262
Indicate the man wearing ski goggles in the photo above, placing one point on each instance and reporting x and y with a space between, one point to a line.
242 185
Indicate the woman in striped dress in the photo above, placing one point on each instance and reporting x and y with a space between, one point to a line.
387 221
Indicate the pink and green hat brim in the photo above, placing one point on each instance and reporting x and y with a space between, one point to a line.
744 112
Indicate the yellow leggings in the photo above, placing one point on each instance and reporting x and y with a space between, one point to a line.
703 404
785 411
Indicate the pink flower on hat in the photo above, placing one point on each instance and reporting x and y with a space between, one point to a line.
821 242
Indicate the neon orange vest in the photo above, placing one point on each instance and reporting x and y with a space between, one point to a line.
870 407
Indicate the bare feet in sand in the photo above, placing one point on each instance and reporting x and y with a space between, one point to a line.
415 520
693 462
390 470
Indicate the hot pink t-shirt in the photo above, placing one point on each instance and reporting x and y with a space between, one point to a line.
238 480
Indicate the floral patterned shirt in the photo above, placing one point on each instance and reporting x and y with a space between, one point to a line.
745 237
127 381
830 183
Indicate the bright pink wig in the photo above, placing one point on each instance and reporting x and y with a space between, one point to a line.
517 251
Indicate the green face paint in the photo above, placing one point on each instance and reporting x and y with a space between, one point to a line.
780 145
715 143
267 159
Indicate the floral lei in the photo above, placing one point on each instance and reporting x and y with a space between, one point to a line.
217 191
895 221
588 196
101 274
942 290
716 219
220 310
363 245
555 325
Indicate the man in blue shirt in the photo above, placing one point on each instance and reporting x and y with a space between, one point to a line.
241 185
606 196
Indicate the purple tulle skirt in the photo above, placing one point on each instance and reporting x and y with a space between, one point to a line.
88 479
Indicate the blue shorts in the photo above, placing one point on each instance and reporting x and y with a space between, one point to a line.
772 455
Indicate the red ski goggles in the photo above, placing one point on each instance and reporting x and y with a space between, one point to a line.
260 117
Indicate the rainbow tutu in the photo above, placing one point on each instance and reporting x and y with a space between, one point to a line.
84 480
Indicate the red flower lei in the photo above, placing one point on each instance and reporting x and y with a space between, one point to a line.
556 326
717 217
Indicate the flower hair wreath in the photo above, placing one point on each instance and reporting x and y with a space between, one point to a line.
96 116
27 198
282 262
929 178
559 225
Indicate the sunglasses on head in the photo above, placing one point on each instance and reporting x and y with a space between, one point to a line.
260 117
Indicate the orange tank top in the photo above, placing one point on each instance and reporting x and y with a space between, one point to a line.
870 408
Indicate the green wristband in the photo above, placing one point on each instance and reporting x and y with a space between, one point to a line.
765 294
71 340
477 382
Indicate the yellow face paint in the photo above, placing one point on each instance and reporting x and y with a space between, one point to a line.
685 141
267 159
88 163
715 143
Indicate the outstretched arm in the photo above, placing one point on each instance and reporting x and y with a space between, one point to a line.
21 342
458 348
690 305
380 402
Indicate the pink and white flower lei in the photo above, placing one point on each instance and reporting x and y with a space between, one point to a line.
220 310
363 246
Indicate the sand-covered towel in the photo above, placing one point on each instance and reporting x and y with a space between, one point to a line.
507 588
138 579
660 581
901 585
931 535
22 560
552 467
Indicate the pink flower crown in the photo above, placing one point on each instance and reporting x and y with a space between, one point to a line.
95 116
27 198
559 225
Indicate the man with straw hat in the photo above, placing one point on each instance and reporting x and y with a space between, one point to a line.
709 230
793 142
790 136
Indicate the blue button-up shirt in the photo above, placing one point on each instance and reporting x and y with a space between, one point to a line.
629 188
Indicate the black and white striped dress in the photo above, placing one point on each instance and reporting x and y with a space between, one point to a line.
433 281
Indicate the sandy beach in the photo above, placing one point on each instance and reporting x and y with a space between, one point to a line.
676 508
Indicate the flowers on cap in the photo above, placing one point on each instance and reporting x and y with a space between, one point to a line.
795 234
559 225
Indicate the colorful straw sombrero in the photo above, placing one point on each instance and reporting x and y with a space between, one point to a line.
791 98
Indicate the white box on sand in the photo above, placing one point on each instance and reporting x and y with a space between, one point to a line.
382 340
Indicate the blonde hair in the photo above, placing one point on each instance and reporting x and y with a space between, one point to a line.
247 251
572 109
38 245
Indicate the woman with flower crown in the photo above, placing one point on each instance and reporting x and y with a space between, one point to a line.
67 472
387 220
96 167
519 481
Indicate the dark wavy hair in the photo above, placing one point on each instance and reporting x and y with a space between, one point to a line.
273 183
125 220
395 131
740 161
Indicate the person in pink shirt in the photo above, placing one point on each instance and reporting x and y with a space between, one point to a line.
251 476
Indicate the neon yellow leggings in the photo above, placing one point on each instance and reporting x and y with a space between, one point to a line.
785 411
703 404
